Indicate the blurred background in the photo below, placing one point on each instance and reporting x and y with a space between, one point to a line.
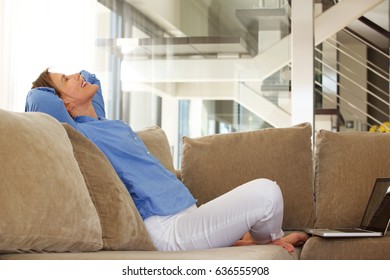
199 67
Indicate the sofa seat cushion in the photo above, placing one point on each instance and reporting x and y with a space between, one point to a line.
259 252
122 225
347 165
374 248
44 202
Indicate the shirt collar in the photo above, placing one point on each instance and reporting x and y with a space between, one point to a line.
84 119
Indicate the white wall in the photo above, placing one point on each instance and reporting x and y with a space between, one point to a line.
39 34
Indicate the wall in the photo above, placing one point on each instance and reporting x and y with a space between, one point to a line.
353 92
381 88
39 34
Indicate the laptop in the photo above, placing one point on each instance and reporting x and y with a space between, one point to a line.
376 217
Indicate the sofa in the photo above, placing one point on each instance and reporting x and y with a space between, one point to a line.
60 198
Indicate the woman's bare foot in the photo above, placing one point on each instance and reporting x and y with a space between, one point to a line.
288 242
245 240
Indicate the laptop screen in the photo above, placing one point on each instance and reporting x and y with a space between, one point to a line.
377 215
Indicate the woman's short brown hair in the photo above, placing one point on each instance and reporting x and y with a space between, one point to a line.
44 80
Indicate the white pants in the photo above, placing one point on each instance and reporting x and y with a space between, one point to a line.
256 206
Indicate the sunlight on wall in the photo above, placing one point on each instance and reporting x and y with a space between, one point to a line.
39 34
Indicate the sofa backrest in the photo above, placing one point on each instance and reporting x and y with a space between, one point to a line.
59 193
346 167
121 224
215 164
44 202
157 143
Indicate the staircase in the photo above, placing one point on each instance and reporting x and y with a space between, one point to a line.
259 79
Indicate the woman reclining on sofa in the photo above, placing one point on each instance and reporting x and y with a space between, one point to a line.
249 214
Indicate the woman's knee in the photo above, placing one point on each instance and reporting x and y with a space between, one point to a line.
263 187
269 221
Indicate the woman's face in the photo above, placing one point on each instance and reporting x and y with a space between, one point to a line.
73 88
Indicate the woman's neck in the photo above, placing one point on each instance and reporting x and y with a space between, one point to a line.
83 110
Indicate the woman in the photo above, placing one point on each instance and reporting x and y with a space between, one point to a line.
249 214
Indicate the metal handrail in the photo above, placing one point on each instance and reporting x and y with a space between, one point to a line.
352 93
333 65
354 74
342 50
330 100
365 42
353 82
353 106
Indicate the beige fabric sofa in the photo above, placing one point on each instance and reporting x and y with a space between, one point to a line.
61 199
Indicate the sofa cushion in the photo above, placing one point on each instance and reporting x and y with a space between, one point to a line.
44 202
245 253
346 167
157 143
317 248
122 226
213 165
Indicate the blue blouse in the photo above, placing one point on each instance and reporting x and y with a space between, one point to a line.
154 189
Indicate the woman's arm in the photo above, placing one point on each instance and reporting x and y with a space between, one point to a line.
44 99
98 101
